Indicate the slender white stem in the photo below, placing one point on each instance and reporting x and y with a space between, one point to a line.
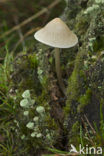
58 70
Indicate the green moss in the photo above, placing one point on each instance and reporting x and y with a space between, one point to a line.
75 137
84 100
81 25
75 127
33 60
43 98
98 44
74 83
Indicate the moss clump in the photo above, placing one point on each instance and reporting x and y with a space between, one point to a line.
75 82
75 130
75 127
33 61
81 25
25 72
98 43
84 100
83 83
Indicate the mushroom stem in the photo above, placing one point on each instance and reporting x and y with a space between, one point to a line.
58 70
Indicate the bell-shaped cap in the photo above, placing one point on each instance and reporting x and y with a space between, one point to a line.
56 34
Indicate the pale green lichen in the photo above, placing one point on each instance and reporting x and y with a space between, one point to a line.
33 134
26 94
99 1
23 137
30 125
26 113
94 7
91 43
40 74
39 135
40 109
27 102
36 119
24 103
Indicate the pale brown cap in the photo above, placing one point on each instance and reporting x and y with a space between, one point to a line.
56 34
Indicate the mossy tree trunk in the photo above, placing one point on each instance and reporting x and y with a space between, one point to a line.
85 90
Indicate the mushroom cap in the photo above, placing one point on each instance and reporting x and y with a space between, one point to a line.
56 34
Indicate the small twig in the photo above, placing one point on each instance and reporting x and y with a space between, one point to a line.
87 131
27 34
94 132
46 18
7 40
3 1
73 154
1 24
19 31
1 59
31 18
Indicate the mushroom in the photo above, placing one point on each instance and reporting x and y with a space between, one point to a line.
57 34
